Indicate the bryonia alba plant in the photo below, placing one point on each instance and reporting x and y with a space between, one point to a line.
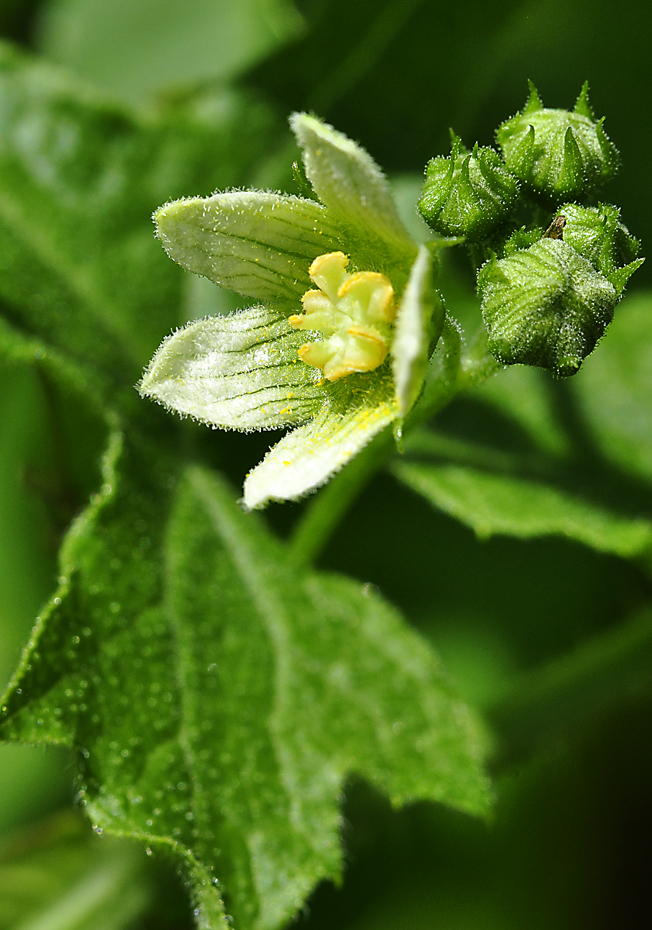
216 690
343 341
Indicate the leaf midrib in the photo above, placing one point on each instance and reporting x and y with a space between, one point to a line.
268 607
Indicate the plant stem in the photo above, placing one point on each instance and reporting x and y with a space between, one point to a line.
322 516
329 506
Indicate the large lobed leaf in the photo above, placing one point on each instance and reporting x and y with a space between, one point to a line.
217 697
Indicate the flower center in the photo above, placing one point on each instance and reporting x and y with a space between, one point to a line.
354 311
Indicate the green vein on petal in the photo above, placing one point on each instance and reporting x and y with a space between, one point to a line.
357 409
237 372
351 185
255 243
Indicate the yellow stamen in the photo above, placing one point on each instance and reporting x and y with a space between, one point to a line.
354 311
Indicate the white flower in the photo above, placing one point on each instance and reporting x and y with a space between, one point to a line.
340 362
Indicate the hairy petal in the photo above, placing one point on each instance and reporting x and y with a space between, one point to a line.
418 324
239 372
357 409
352 186
255 243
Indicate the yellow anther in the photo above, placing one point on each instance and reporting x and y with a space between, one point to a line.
365 333
353 310
373 290
315 300
329 272
316 354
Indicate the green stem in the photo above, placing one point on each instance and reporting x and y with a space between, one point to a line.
569 694
323 515
329 506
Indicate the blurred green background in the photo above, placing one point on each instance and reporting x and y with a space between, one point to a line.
569 846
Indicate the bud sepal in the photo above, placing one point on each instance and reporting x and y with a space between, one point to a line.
598 235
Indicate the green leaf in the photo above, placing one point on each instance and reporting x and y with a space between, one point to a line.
356 409
17 350
134 50
68 166
615 390
513 506
350 184
338 685
217 698
418 324
51 427
258 244
78 183
239 372
68 413
99 675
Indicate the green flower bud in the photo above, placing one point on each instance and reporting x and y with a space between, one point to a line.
598 235
468 194
545 306
557 155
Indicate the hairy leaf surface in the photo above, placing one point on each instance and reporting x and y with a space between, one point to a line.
217 698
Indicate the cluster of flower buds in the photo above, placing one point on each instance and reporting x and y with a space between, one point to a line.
548 292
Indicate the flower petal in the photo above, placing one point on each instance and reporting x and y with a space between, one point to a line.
258 244
357 409
350 183
418 323
239 372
